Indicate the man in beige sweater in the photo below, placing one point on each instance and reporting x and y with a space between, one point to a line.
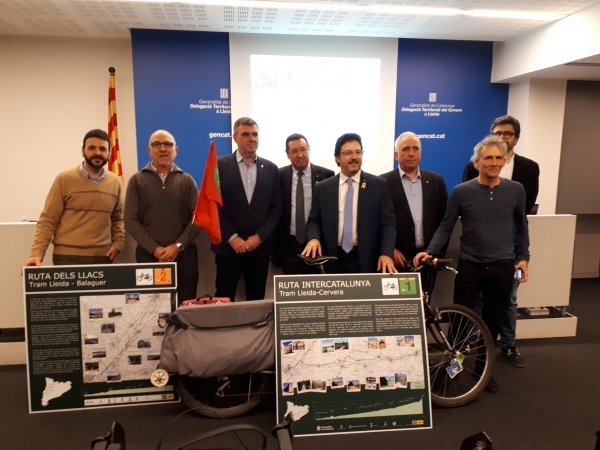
83 214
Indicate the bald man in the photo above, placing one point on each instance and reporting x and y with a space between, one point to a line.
419 198
159 204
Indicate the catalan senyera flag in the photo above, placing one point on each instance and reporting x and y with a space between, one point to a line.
206 214
114 161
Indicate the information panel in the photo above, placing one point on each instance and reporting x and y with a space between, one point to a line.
351 353
94 334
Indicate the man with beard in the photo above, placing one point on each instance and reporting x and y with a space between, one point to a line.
352 216
83 214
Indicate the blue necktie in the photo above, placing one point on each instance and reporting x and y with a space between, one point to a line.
300 222
347 243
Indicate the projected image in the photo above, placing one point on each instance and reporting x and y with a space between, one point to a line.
320 97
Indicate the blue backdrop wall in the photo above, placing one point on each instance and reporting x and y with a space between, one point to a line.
444 93
181 84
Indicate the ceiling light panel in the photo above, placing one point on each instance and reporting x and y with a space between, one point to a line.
391 18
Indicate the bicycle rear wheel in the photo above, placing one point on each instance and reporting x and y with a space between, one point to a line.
470 343
227 397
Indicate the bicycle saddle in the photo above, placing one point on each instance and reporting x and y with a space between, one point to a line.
318 260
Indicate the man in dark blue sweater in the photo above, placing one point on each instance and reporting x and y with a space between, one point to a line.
495 238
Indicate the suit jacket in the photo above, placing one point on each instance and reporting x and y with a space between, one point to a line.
281 236
525 171
435 198
237 216
376 224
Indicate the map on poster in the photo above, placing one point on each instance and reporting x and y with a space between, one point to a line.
54 389
388 362
120 335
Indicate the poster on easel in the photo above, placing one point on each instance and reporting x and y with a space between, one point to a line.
351 353
94 334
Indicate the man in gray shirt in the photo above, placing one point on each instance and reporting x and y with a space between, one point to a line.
159 204
495 238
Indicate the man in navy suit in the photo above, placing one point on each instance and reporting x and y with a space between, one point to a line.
419 198
297 183
527 172
352 216
251 210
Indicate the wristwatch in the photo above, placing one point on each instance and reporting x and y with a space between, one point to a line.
180 246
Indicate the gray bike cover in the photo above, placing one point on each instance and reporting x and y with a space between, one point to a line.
220 339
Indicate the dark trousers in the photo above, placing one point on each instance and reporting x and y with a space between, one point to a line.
75 260
187 270
347 262
494 281
293 265
230 267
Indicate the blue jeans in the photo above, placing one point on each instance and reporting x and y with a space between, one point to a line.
508 322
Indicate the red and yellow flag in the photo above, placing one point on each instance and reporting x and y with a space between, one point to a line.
206 214
114 161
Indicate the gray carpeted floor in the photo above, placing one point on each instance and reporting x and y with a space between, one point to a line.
553 403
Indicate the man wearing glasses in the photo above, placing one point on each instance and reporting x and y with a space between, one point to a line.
297 182
527 172
159 204
352 216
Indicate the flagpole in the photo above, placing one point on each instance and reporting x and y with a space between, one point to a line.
114 161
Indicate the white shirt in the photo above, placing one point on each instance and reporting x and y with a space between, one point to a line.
342 201
509 166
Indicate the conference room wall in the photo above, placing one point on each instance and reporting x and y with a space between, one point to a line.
53 91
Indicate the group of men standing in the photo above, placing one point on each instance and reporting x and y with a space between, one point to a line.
371 223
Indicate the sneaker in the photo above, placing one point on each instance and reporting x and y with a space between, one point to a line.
513 356
492 386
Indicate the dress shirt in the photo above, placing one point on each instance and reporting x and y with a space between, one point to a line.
248 174
509 166
342 201
414 194
88 177
306 184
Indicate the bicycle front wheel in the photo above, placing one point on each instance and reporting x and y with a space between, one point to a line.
468 342
226 397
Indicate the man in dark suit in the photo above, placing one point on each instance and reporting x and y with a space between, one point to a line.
251 210
352 216
296 181
419 197
527 172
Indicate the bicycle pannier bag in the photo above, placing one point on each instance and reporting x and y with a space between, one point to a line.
219 339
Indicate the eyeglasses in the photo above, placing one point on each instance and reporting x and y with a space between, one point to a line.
504 134
350 153
157 144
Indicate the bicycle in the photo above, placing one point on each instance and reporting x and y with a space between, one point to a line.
460 358
455 334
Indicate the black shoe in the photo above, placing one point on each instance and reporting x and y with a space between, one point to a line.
513 356
492 386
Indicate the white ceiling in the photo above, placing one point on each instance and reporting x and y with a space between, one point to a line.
105 18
